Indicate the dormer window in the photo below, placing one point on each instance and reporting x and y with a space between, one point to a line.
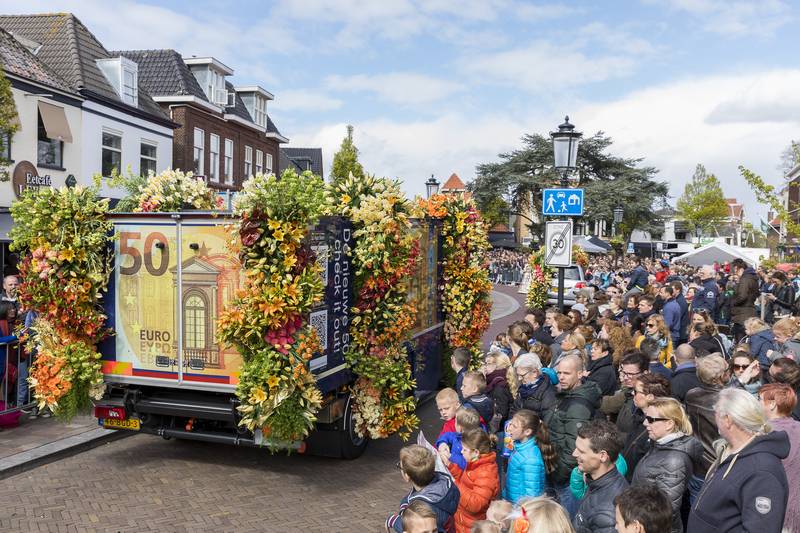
215 88
129 92
123 75
260 114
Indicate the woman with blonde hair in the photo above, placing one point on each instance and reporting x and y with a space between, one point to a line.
673 454
517 339
655 328
574 344
619 340
760 339
787 344
495 368
542 515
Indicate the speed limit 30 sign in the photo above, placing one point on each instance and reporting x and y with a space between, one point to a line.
558 243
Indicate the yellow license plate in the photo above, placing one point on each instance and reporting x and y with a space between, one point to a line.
128 423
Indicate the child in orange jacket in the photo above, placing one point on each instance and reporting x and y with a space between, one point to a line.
479 483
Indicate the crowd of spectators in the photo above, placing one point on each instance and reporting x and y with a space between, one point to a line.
507 267
666 401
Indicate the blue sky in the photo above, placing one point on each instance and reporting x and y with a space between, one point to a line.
437 86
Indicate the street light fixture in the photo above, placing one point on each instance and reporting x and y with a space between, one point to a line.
432 186
618 212
565 149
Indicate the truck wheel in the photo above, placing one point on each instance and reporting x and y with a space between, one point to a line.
352 445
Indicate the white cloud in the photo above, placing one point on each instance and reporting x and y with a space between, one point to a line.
667 124
738 17
772 97
414 150
679 124
542 66
404 88
306 100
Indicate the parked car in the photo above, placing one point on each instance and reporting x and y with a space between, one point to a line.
574 280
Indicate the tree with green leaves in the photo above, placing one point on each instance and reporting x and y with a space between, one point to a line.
516 182
345 161
8 123
702 205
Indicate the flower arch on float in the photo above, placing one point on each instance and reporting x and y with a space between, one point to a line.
64 235
385 257
466 289
267 320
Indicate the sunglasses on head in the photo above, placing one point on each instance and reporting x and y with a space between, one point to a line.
653 419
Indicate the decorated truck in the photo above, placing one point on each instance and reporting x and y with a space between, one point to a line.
306 316
176 381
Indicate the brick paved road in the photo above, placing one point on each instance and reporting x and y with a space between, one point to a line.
144 483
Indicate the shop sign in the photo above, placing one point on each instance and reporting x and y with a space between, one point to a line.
27 177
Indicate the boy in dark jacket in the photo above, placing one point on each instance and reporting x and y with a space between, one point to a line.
472 391
459 362
417 466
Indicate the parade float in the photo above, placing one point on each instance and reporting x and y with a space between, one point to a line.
307 317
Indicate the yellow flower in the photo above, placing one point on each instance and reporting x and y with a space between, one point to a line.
278 234
346 199
274 224
272 382
66 255
258 395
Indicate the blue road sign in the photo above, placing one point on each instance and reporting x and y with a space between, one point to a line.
562 202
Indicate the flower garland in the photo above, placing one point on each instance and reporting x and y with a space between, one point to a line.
466 289
172 190
541 279
266 321
385 258
66 233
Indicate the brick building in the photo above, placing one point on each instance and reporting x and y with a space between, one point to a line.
225 134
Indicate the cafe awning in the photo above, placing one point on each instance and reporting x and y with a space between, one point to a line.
55 122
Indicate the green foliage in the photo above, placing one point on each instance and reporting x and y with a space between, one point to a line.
133 185
702 204
767 194
754 237
345 161
8 112
518 178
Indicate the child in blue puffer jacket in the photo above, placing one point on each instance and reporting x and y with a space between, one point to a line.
531 460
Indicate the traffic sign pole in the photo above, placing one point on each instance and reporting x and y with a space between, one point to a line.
558 251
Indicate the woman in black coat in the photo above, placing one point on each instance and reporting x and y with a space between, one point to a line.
496 370
673 454
601 368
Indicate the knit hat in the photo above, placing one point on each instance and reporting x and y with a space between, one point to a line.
528 360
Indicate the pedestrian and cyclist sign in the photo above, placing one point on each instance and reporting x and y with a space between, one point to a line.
558 243
562 202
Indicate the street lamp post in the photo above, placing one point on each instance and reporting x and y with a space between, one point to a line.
432 186
618 212
565 155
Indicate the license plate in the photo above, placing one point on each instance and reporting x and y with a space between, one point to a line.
132 424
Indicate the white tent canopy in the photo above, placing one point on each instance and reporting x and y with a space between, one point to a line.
715 251
588 246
